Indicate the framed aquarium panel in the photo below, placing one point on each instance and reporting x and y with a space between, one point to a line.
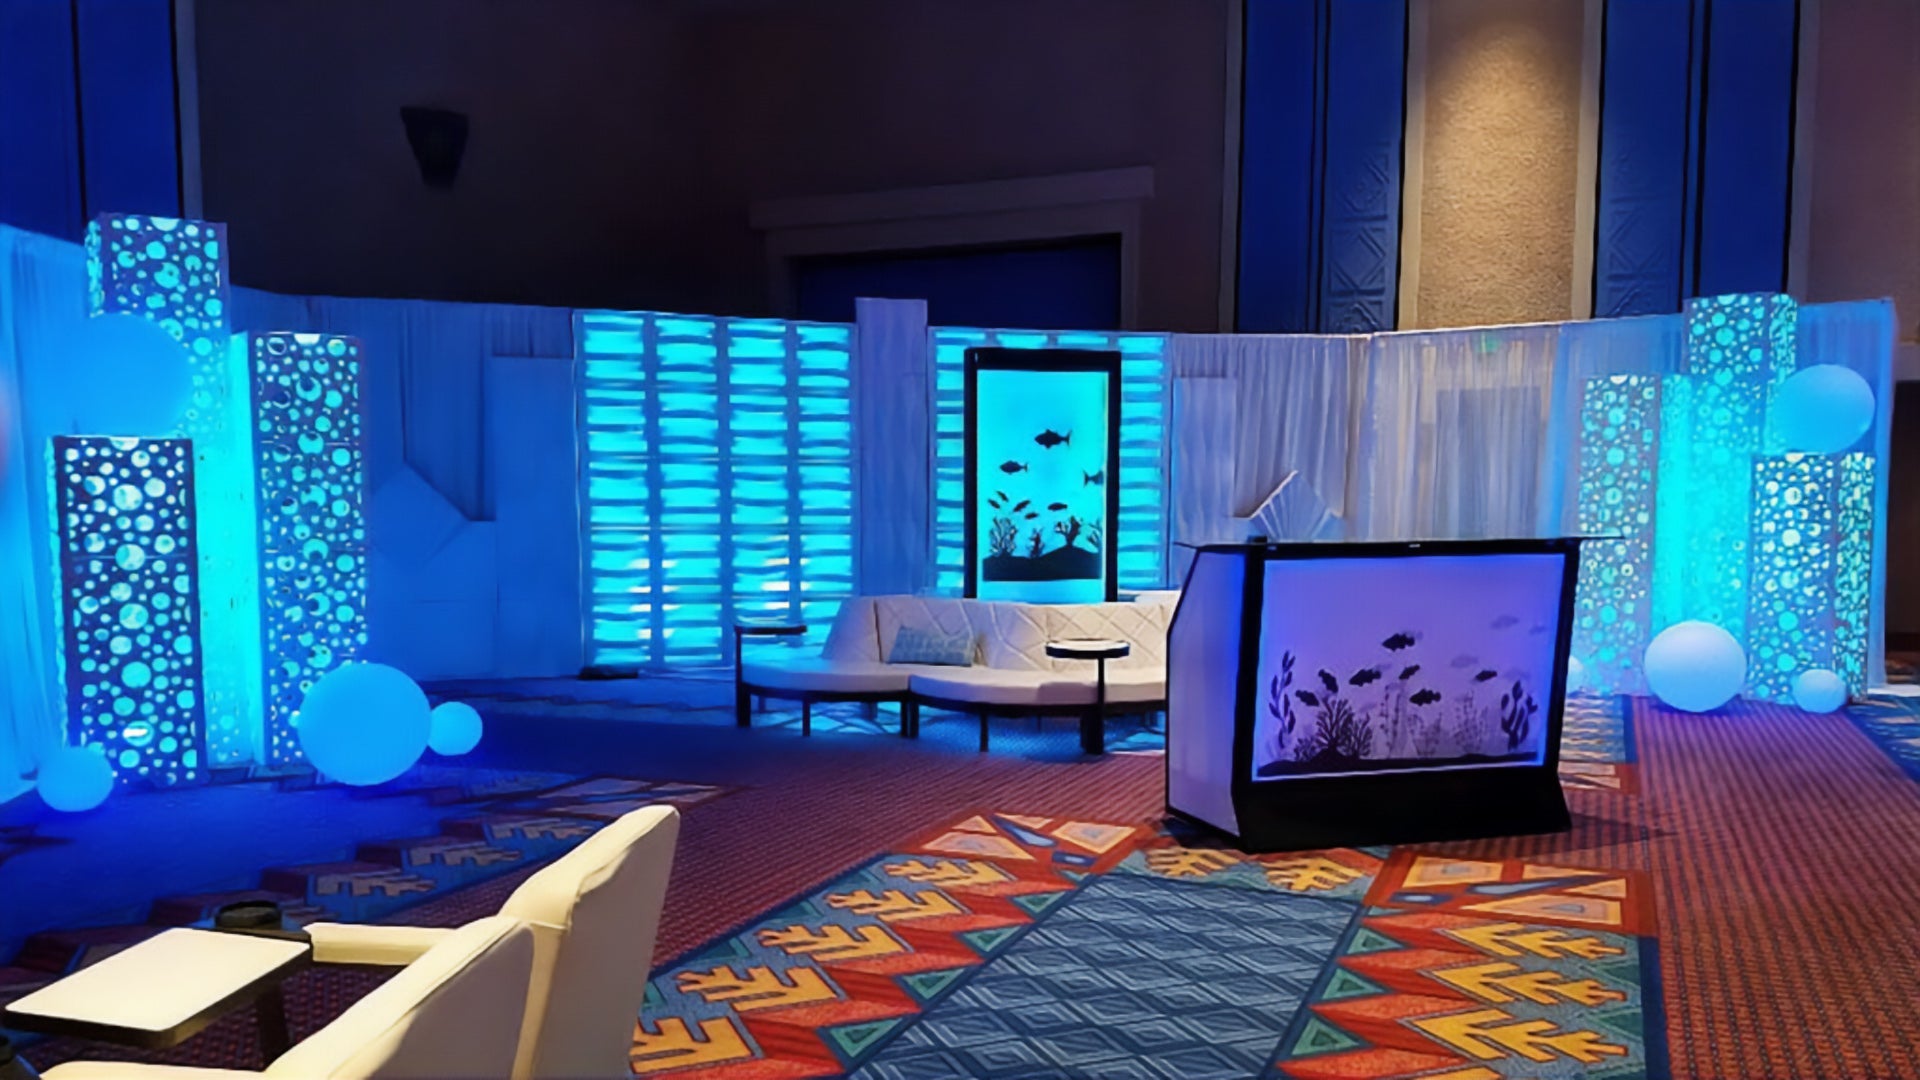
1343 694
1435 663
1042 484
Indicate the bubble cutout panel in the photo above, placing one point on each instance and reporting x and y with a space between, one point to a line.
173 272
1619 452
311 477
1811 565
129 589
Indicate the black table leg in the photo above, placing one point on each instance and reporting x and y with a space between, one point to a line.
270 1012
1093 728
742 701
806 718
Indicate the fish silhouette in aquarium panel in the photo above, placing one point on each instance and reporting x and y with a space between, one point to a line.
1011 467
1050 438
1056 507
1093 479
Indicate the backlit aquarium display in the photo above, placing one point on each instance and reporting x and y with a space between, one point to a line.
1041 466
1371 665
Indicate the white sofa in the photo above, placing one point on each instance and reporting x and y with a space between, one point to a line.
1011 674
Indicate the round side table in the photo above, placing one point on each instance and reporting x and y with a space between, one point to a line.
742 697
1093 727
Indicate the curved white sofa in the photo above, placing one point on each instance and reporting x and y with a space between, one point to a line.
1011 674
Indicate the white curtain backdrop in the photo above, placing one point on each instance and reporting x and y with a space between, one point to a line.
42 305
1453 433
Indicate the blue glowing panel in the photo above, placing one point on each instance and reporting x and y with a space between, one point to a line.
129 590
1619 451
1044 458
1713 421
1361 663
174 273
1853 571
1142 534
311 476
717 479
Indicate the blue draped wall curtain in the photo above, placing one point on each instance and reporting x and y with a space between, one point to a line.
1323 110
89 113
1696 151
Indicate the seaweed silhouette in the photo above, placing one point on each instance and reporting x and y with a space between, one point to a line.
1036 546
1069 529
1280 706
1094 537
1004 537
1516 716
1340 735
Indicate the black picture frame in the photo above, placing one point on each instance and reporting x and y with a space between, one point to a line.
994 358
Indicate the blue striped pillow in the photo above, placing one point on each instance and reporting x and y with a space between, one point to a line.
913 645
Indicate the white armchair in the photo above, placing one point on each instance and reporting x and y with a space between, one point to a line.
454 1012
594 914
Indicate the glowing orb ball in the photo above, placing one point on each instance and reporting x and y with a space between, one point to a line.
1576 675
75 778
1819 691
1695 666
126 376
1823 409
364 724
456 729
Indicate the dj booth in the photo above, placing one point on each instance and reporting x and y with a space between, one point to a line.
1335 694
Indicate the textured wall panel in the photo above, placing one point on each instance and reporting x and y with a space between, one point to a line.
130 603
1746 161
311 477
1365 114
174 273
718 479
1619 452
1280 116
1643 158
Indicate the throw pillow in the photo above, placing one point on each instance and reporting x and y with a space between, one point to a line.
913 645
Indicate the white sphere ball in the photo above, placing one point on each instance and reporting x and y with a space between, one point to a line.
1819 691
1823 409
1576 675
456 729
1695 666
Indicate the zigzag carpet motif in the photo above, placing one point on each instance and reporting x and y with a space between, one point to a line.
1027 947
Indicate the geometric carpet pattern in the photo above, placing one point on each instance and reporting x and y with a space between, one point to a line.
1596 745
1020 947
1893 722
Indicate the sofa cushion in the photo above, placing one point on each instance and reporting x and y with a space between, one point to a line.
1017 636
1142 625
816 674
988 686
913 645
856 632
946 614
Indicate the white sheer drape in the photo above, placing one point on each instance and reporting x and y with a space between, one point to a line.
1452 434
42 305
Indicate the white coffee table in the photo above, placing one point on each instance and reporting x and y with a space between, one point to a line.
167 989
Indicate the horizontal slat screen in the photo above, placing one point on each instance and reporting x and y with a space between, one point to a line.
717 479
1143 461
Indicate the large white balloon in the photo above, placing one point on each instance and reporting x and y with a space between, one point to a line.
1823 409
1695 666
125 375
364 724
75 778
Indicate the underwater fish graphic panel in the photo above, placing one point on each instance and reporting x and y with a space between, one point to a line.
1041 445
1389 665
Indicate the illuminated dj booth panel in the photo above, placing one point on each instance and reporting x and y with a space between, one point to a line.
1338 694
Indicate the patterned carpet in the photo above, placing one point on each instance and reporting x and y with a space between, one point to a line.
1893 722
1739 897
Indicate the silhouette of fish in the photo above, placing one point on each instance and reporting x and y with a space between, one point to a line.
1031 514
1485 675
1022 505
1056 507
1093 478
1424 697
1001 495
1364 676
1011 467
1537 628
1464 661
1409 673
1398 642
1050 438
1505 621
1332 684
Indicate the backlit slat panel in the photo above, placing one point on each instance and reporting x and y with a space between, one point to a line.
717 479
1143 460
